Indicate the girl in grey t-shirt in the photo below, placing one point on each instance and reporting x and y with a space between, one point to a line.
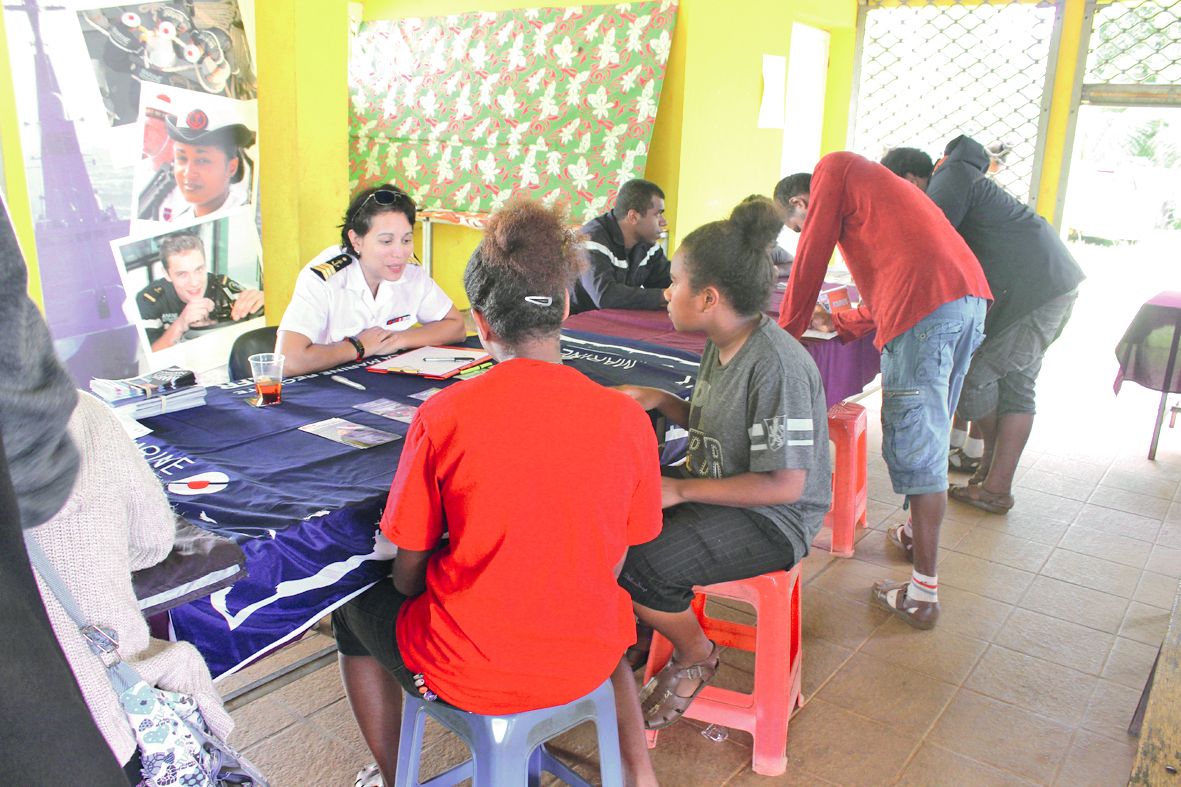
756 484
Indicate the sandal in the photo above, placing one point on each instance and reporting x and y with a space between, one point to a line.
979 497
897 536
369 776
891 596
960 462
659 700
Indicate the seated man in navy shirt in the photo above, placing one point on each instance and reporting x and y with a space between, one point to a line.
627 268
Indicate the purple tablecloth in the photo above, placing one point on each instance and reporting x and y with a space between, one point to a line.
1151 339
845 368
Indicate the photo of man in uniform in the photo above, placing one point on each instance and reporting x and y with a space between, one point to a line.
189 296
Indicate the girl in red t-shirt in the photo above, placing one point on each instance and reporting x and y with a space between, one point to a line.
540 479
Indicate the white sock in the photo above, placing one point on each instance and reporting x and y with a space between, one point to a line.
922 588
958 436
974 447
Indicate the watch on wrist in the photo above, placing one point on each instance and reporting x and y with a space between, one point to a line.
360 348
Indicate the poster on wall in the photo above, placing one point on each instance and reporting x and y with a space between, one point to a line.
191 288
78 72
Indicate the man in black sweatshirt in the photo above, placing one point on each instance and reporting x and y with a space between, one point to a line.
1033 278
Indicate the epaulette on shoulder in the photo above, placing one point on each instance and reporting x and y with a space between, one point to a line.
332 266
151 294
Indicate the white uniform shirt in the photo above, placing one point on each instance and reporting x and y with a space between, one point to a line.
328 310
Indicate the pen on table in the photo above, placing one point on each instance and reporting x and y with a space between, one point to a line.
451 359
336 378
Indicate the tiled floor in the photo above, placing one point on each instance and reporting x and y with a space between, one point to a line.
1051 619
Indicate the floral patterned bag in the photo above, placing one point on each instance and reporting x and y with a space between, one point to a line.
176 747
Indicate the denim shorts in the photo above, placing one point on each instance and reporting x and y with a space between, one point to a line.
922 372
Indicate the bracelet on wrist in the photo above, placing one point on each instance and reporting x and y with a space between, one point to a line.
360 348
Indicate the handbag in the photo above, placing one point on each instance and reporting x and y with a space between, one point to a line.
177 748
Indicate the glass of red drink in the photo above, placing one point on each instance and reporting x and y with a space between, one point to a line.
267 370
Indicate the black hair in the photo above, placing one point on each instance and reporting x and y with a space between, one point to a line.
795 185
635 195
518 276
731 255
361 211
908 161
178 242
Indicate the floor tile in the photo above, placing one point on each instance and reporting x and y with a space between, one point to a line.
684 756
258 720
844 747
968 614
939 652
311 643
1157 590
1034 684
1110 709
1055 484
1106 545
1005 549
301 755
336 721
1109 520
984 577
1076 604
1154 481
1129 663
1144 505
887 692
838 619
934 766
853 578
1092 572
874 548
1027 525
821 659
1055 640
1047 506
1145 624
1071 468
309 694
1096 761
1002 735
1170 534
1165 560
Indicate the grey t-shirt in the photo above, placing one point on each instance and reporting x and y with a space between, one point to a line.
764 411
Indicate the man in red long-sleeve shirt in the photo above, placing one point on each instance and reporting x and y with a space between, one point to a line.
924 292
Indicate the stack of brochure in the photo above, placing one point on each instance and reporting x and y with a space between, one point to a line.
163 391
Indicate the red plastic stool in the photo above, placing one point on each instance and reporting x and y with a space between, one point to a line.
847 427
775 641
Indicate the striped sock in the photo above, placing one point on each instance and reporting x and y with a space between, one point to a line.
922 588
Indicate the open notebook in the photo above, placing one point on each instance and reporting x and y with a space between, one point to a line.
437 363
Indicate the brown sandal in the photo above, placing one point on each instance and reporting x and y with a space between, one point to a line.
979 497
896 535
891 596
659 700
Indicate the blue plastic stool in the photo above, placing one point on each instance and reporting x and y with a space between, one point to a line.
509 750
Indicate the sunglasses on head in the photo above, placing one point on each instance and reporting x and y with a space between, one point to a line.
389 197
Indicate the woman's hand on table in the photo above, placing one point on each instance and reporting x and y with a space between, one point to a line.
379 341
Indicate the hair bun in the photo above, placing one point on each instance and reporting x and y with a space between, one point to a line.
756 222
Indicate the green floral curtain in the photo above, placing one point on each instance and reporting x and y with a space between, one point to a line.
463 111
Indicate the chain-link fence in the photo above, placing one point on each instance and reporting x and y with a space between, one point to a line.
929 71
1135 42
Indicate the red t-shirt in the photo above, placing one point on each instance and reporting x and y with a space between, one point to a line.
543 478
906 259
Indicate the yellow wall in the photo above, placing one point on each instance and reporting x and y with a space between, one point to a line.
303 131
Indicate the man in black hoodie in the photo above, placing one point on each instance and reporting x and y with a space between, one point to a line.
1034 280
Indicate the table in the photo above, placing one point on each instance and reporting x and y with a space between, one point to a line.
845 368
1147 353
305 509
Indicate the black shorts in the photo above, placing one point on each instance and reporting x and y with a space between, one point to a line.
365 627
702 544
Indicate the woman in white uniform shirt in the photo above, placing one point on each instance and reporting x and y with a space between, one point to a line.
363 297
